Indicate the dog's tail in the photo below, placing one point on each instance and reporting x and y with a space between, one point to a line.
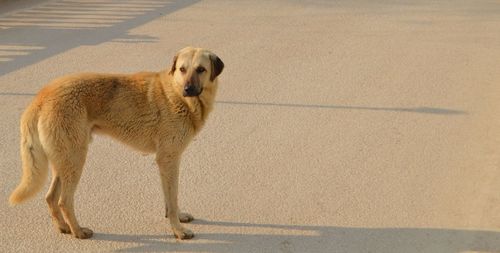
34 159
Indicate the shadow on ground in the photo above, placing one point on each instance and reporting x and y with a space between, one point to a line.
57 26
424 110
291 238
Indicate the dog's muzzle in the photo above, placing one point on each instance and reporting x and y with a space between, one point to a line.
191 91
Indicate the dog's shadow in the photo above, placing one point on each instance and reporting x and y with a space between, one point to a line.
296 238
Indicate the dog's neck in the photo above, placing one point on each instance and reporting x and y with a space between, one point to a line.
200 106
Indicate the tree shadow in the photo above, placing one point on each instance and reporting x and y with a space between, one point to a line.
76 23
297 238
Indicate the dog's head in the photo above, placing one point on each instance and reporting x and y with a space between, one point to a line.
195 69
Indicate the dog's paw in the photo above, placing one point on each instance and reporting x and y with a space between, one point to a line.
183 234
85 233
65 229
185 217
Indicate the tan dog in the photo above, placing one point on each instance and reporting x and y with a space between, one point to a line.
154 112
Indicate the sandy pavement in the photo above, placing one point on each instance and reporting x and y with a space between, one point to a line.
340 126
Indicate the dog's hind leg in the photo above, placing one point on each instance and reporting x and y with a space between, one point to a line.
69 181
52 198
69 170
64 135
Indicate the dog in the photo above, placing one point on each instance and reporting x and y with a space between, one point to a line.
153 112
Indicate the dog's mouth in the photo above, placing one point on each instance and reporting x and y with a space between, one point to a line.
192 91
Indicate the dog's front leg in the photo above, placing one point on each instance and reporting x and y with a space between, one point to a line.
169 173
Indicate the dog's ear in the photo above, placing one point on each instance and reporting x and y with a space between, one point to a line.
217 66
172 70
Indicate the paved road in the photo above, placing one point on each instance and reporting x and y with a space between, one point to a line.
346 126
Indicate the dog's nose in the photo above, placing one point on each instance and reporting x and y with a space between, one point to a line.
190 91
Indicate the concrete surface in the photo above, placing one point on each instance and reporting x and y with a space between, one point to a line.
341 126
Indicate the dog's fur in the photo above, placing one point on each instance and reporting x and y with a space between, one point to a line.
154 112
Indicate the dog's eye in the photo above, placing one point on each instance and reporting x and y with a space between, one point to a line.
200 70
183 70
